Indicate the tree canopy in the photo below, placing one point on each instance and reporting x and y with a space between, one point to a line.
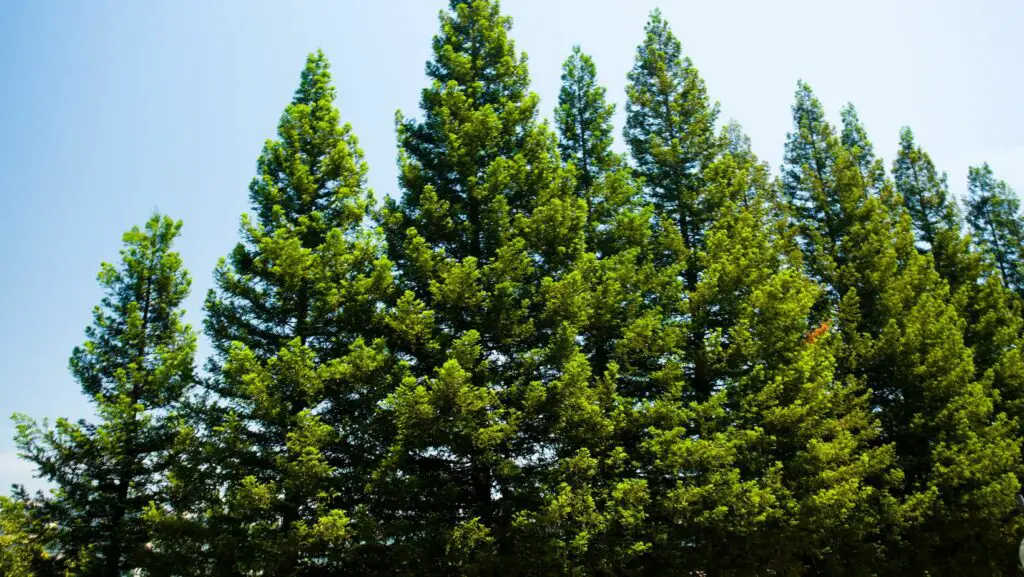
544 357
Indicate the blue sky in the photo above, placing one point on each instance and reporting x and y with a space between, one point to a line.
113 109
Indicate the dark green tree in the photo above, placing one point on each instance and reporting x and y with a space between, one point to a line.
811 184
924 191
933 214
814 476
993 327
289 435
903 338
135 366
584 121
670 130
505 426
993 213
855 138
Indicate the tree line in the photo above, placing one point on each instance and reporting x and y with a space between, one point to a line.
547 358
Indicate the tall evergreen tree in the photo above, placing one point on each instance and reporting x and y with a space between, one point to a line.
737 481
541 361
485 237
135 366
933 214
993 327
802 426
903 338
855 138
811 184
618 225
584 121
291 432
993 213
924 191
670 130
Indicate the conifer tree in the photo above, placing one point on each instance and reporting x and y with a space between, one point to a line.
670 130
291 434
933 214
810 183
797 426
740 477
538 360
486 232
993 213
903 338
135 366
584 121
855 138
925 192
618 229
992 314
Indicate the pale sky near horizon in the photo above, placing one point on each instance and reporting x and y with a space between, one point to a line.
111 109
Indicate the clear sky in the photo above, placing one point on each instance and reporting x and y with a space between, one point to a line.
113 109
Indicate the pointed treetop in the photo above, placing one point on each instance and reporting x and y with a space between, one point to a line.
315 85
808 145
315 165
139 314
660 37
475 52
924 190
993 213
737 142
855 138
584 119
670 120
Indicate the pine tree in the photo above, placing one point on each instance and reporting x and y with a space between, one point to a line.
291 433
992 313
584 121
670 130
742 476
993 213
503 434
903 338
135 366
618 229
855 138
810 183
933 213
924 191
815 478
463 171
615 216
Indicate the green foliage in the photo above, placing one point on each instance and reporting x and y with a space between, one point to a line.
670 130
542 358
24 539
903 337
584 121
993 213
855 138
283 446
135 365
924 191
